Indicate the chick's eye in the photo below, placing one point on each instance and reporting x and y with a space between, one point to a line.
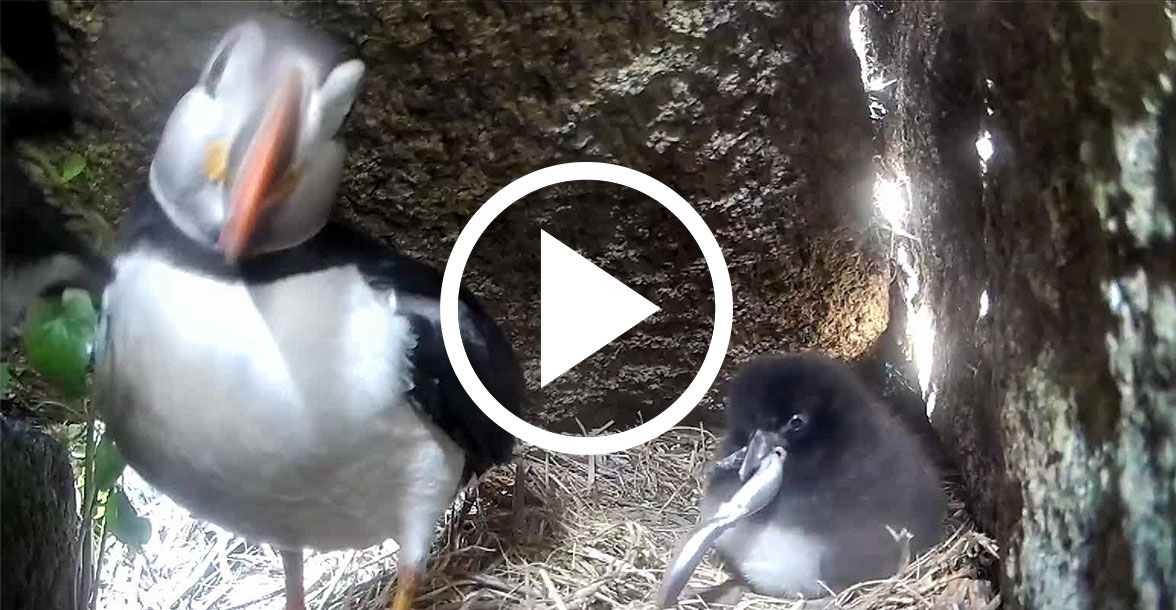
798 425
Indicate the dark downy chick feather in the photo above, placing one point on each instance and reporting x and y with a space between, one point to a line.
852 469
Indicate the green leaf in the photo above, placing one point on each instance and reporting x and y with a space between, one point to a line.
108 464
122 521
5 376
58 337
78 305
74 166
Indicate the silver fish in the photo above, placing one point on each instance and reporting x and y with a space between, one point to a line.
759 489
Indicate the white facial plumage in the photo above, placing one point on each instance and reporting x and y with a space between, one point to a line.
214 125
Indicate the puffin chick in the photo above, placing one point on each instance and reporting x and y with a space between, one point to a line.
853 477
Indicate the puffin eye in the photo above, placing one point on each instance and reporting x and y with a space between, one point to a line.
798 425
241 46
216 69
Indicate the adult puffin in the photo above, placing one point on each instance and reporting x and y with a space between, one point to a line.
274 372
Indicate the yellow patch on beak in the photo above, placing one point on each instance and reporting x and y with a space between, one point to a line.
216 160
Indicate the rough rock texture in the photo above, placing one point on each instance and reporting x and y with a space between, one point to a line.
1058 400
752 111
1061 396
38 535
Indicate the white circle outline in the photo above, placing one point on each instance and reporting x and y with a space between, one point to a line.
720 335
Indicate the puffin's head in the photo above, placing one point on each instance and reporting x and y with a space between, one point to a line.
248 161
808 405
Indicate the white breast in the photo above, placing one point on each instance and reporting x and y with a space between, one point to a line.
775 560
287 400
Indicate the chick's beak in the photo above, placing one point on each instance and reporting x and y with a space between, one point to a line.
762 443
266 159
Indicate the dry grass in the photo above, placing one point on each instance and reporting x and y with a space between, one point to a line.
589 533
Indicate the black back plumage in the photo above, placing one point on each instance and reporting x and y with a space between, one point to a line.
853 470
35 103
26 37
32 229
437 391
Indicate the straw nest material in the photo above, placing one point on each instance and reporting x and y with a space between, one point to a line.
573 533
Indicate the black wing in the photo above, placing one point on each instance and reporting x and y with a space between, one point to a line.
437 390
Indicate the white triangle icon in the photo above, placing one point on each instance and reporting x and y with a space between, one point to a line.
581 309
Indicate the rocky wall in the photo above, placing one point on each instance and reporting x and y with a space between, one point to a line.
1049 269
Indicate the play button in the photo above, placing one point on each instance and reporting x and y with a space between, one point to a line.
582 308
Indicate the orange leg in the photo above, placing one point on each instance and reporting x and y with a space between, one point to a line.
292 568
407 579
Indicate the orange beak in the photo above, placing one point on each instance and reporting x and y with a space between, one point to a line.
255 184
